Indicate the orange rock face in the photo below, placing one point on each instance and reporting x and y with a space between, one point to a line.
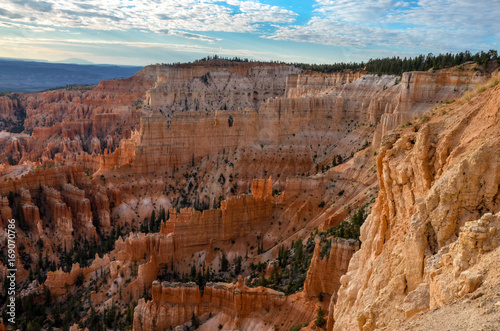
80 207
174 303
323 276
60 282
438 189
324 273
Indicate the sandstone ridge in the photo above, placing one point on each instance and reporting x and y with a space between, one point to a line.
431 223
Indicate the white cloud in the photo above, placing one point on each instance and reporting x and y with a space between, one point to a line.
189 35
443 25
150 15
480 15
28 27
354 10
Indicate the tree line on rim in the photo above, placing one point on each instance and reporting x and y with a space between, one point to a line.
389 65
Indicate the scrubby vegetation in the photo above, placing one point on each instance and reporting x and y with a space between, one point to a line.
289 271
350 228
320 318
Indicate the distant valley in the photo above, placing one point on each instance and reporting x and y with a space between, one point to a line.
33 76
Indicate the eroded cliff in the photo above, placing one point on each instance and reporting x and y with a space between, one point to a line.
439 182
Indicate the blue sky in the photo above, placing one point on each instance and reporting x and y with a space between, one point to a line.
320 31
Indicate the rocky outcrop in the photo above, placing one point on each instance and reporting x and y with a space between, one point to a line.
435 176
101 208
217 85
453 271
60 216
323 276
174 303
325 272
80 208
60 282
123 155
31 214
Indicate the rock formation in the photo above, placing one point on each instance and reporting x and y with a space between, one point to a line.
60 282
325 272
323 276
216 85
174 304
438 182
420 91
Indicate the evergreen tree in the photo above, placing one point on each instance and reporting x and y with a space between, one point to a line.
320 318
237 267
299 253
152 221
224 263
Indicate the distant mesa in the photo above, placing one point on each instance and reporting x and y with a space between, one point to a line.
74 60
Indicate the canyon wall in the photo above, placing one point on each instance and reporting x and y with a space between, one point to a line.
337 111
217 85
329 113
174 303
419 92
304 125
323 276
439 180
234 306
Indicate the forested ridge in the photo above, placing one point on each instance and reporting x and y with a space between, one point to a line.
389 65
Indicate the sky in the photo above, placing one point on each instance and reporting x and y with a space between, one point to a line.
130 32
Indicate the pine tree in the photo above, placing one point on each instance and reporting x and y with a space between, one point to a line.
320 318
152 221
224 263
237 267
